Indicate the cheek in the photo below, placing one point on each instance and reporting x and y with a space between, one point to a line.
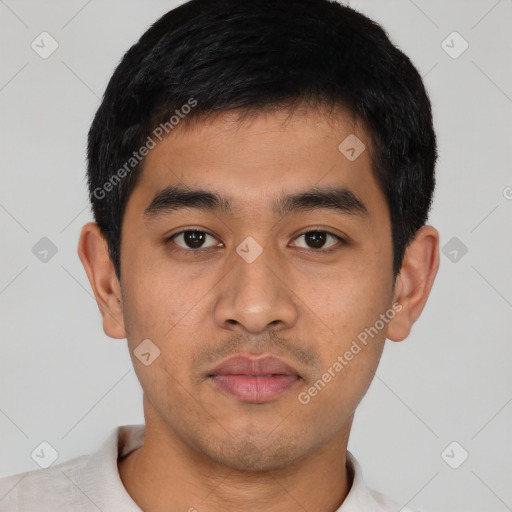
343 301
156 296
348 365
163 306
348 306
154 311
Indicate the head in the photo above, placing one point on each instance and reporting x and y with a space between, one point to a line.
260 175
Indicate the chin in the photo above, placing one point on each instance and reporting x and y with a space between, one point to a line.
256 455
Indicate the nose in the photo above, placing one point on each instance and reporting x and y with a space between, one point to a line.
256 295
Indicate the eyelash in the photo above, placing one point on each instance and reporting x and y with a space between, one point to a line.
199 250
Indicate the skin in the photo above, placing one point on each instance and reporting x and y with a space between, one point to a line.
205 449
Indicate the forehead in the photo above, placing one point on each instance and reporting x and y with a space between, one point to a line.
256 161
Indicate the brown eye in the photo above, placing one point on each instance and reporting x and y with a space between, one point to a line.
192 239
316 240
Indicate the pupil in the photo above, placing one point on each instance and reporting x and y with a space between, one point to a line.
194 238
317 238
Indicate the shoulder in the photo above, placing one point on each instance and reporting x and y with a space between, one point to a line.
85 483
50 489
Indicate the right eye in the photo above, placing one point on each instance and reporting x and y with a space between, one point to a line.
191 240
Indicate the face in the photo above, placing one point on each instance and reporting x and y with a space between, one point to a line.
259 295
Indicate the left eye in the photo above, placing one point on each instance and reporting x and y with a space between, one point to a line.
317 239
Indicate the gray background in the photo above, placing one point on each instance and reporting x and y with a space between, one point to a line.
63 381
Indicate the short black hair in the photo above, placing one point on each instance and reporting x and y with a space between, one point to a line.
206 57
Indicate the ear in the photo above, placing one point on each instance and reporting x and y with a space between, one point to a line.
414 282
93 253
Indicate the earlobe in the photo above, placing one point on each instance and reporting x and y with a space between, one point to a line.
93 253
414 283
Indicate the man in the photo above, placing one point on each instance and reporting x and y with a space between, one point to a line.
260 175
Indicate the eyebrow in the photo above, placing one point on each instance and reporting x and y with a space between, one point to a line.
177 197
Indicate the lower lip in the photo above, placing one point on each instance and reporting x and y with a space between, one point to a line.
255 389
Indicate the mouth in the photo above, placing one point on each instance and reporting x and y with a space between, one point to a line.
254 380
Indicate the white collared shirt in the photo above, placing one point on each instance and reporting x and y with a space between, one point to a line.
89 483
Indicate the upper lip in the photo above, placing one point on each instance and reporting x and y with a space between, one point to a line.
247 365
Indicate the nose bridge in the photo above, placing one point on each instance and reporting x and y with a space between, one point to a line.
254 293
255 268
